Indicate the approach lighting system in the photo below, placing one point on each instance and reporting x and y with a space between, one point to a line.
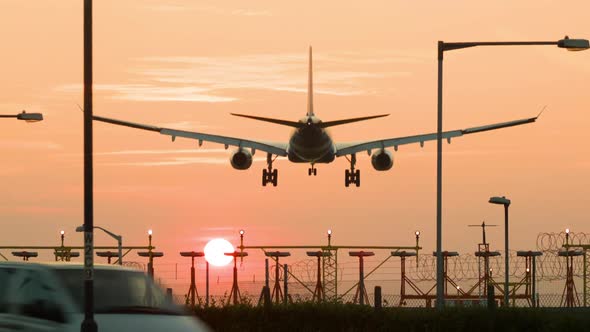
242 232
567 231
329 232
150 232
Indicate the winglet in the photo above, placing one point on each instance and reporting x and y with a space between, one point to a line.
542 110
310 87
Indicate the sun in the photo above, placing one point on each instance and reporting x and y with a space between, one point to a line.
215 250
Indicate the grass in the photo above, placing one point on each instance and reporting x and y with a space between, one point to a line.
350 317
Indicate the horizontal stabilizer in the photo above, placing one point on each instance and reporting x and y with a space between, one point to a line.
339 122
294 124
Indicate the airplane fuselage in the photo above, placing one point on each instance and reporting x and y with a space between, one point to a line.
311 143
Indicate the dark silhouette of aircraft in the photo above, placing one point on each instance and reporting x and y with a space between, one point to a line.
310 142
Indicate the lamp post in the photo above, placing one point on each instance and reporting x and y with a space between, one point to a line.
506 202
28 117
567 43
88 324
119 239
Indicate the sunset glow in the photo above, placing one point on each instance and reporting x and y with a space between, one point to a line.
215 252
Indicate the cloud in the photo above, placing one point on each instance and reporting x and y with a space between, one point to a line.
250 12
186 125
29 145
178 161
214 79
208 9
150 92
277 72
159 152
174 162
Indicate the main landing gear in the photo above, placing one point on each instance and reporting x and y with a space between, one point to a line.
312 170
269 175
352 175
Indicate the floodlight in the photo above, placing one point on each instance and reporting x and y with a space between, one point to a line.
573 44
499 200
30 117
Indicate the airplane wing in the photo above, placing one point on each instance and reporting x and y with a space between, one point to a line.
344 149
274 148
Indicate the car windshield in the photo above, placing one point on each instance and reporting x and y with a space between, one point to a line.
119 291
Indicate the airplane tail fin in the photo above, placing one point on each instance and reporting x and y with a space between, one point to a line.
310 87
295 124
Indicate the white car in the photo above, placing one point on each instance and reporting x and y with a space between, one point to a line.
50 297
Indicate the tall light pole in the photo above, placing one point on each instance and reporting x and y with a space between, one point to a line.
506 202
28 117
570 44
119 239
88 324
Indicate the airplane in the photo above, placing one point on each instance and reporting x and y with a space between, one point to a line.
310 142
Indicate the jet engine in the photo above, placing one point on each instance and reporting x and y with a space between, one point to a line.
382 160
241 159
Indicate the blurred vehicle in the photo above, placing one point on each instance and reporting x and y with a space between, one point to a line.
50 297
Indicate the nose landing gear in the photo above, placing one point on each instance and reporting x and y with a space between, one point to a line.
352 176
312 170
269 175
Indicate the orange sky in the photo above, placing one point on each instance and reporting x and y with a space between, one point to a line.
187 64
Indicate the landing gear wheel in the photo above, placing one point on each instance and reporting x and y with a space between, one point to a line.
346 178
312 171
269 175
352 175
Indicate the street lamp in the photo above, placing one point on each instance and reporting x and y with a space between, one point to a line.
119 239
506 202
28 117
567 43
